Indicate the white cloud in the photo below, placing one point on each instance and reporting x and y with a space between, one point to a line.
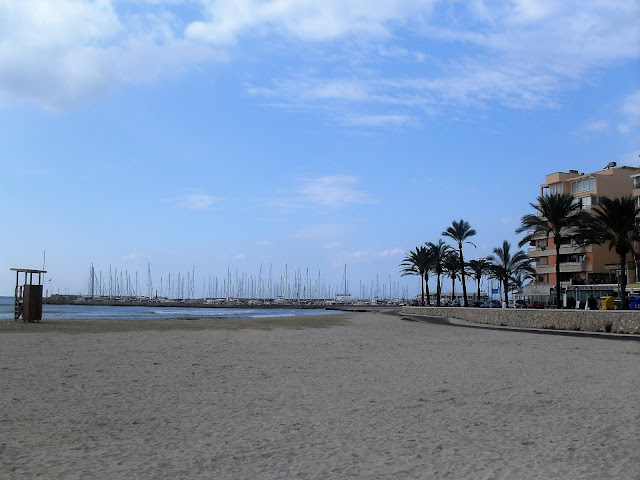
323 231
390 253
197 201
133 256
526 53
83 48
377 120
333 191
309 20
371 255
523 53
631 158
631 106
630 110
623 128
332 245
597 126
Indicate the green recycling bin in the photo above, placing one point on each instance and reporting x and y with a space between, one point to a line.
617 303
606 303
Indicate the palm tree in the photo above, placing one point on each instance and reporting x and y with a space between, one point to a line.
460 232
505 266
615 222
557 215
478 268
518 281
451 267
417 262
439 252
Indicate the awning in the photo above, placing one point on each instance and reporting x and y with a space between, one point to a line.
633 288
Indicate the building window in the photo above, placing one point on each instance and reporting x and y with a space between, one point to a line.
636 182
584 185
555 189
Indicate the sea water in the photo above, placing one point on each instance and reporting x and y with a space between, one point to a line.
153 312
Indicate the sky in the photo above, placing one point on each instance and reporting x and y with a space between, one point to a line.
226 136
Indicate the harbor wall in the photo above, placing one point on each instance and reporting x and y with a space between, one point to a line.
615 321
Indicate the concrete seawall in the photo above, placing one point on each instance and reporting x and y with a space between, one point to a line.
616 321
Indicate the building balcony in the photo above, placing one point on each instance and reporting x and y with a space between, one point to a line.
536 252
568 249
540 252
565 267
544 269
570 267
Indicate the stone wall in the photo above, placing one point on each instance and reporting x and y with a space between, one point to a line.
616 321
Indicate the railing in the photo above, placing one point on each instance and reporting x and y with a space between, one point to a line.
18 302
575 267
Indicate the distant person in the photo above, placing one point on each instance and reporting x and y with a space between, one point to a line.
592 304
504 304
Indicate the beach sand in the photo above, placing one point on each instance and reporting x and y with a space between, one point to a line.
346 396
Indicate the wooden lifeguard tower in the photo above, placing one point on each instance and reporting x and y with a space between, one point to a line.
28 296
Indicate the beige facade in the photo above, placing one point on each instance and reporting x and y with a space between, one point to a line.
589 264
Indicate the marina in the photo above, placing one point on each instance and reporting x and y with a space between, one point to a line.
293 287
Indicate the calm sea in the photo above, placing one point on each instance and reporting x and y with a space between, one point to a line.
110 312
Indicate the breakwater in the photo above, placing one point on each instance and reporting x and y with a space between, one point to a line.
614 321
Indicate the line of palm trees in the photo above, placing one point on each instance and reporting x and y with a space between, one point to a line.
510 269
613 222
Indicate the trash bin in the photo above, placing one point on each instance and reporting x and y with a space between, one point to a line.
617 303
606 303
634 302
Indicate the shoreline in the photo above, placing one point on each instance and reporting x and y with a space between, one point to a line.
81 326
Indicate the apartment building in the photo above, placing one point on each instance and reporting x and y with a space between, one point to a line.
586 269
635 179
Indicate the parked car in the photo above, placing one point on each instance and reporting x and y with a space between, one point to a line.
535 304
519 304
491 304
477 303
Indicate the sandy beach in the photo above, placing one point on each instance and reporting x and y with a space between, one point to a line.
345 396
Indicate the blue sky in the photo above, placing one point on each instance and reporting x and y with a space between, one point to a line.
233 134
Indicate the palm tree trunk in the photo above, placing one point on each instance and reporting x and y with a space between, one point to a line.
438 290
622 281
558 292
505 288
426 281
464 285
453 288
478 289
422 288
